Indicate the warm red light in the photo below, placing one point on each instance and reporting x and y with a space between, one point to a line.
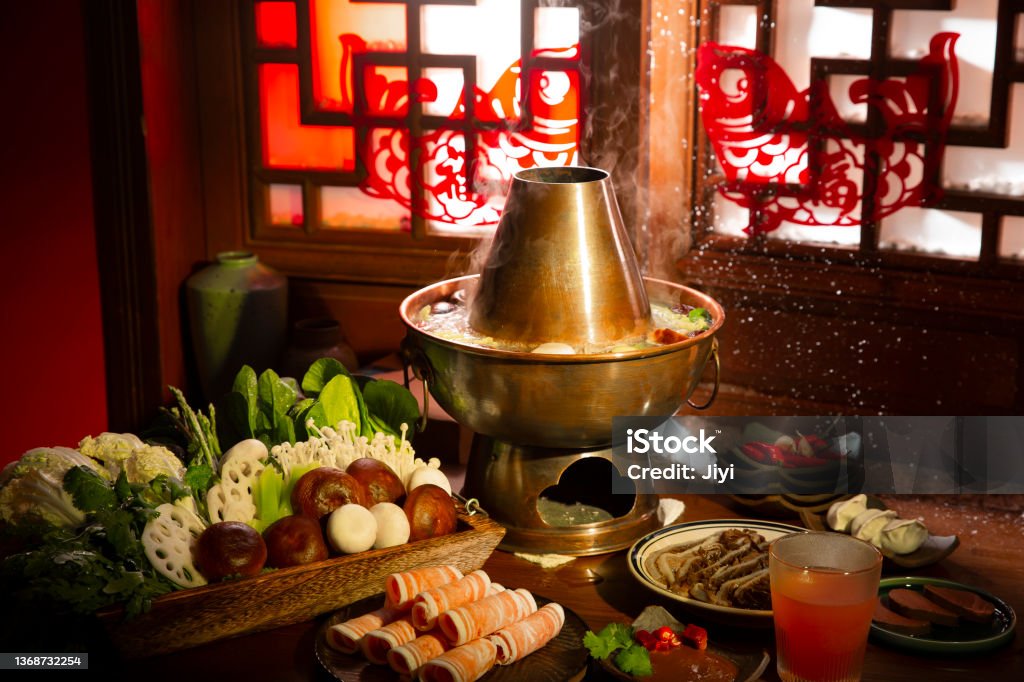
287 143
337 27
275 24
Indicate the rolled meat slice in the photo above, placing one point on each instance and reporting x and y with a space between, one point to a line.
345 637
401 588
531 633
377 644
429 604
481 618
407 659
465 663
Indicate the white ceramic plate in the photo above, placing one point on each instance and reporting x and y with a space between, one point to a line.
688 532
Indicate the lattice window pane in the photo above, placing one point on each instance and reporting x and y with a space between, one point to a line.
1011 244
919 113
368 88
275 24
287 142
351 208
285 205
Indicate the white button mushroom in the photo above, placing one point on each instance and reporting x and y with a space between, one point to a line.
392 525
424 475
351 528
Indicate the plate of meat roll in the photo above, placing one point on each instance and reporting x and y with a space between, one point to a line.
437 624
716 568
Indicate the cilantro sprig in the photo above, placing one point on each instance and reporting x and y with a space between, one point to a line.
616 638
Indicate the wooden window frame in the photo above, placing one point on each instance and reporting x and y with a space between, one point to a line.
224 32
819 284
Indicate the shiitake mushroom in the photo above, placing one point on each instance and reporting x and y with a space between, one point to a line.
380 480
230 548
324 489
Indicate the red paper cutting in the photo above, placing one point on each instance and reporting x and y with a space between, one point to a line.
787 155
447 194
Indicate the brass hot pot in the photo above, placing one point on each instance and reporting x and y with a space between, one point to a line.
556 401
560 269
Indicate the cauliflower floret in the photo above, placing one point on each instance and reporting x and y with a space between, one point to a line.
149 461
113 449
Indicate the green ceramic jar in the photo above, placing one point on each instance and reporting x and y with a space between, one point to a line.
238 310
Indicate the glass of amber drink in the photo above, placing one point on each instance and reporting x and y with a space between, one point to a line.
824 591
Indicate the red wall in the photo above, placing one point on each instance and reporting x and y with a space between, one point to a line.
52 389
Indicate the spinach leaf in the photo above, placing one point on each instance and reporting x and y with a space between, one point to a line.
247 386
382 426
339 400
241 415
320 374
275 398
299 414
284 431
392 404
299 408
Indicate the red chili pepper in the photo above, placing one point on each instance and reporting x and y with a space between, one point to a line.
795 460
696 636
817 443
765 453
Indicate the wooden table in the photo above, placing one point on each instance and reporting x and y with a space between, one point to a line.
600 589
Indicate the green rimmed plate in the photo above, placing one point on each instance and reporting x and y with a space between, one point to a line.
966 638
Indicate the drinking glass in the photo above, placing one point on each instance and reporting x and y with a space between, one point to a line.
824 591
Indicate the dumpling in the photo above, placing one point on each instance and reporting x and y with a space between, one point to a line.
903 536
842 513
869 524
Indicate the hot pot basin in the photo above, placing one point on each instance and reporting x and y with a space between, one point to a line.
556 401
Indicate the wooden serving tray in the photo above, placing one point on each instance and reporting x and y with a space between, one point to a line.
195 616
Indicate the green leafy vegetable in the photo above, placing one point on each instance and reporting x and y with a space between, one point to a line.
247 387
319 374
699 315
391 404
612 637
339 400
160 490
239 423
634 660
199 477
38 496
89 491
122 488
275 397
